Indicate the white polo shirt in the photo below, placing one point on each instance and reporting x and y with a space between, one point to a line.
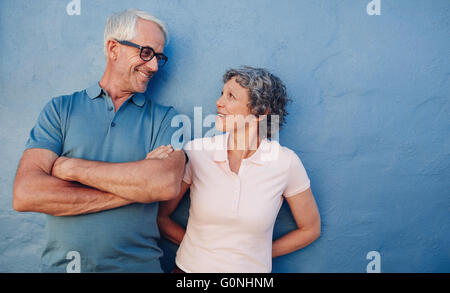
231 217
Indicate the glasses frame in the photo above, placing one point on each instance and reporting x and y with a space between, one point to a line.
159 56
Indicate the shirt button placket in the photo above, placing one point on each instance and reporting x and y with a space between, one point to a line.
236 191
110 108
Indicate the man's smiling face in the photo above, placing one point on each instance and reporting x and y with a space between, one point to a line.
135 72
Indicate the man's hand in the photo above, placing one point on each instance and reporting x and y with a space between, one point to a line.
160 153
155 178
35 190
63 167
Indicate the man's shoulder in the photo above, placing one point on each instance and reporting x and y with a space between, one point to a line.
160 109
76 94
159 115
63 101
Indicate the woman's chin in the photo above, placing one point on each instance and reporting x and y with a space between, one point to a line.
220 127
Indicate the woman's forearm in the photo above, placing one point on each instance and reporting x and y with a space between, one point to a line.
171 230
293 241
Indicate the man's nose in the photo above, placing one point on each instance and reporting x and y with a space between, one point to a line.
152 65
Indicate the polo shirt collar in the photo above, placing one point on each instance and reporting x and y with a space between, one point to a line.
263 148
221 151
96 91
221 142
138 99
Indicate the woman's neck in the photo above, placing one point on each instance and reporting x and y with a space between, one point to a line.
243 142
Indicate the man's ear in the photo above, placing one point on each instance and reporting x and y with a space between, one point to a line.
112 47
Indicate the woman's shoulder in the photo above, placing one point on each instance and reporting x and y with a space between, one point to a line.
279 152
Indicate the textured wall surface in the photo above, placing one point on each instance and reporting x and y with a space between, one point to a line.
370 117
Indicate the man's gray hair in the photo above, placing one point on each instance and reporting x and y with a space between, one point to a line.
267 93
122 26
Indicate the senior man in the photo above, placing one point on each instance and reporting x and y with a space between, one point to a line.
98 161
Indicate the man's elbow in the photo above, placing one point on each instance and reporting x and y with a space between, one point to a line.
166 191
170 188
166 185
169 192
19 201
173 191
317 234
18 205
173 185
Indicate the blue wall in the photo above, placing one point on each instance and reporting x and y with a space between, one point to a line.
370 117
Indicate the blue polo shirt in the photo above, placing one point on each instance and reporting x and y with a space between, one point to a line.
85 125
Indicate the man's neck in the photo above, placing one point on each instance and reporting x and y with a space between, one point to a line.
114 90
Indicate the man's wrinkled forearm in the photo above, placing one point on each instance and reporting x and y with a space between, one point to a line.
46 194
141 181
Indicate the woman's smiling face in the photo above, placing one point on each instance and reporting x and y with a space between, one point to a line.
232 106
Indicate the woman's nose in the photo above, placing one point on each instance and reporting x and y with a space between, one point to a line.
219 102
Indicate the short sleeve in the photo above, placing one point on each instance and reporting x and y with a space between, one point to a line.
166 130
47 132
298 180
188 173
188 168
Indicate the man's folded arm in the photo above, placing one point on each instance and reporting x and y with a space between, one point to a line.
36 190
144 181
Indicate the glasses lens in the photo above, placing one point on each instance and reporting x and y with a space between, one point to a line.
146 53
161 60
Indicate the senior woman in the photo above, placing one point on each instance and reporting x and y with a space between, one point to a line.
238 181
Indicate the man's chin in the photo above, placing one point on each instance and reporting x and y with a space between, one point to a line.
141 91
140 88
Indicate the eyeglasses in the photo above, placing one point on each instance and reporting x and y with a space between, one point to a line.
147 53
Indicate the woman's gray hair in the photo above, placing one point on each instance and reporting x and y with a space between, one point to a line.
266 93
122 26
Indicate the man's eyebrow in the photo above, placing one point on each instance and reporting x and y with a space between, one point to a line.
147 45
